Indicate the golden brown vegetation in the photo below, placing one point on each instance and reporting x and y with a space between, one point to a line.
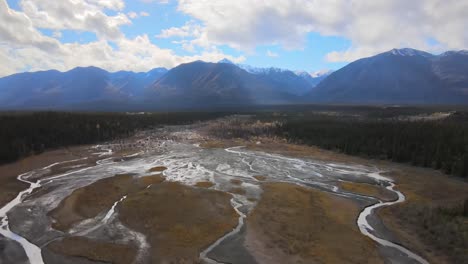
91 200
158 169
237 190
94 250
204 184
151 179
179 221
432 221
296 224
368 190
236 181
10 186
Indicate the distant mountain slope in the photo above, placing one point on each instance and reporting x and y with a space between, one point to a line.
314 79
80 85
399 76
403 76
201 83
286 77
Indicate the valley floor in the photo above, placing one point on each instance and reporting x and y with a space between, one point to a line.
181 195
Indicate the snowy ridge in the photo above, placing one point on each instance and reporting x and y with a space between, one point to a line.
269 70
410 52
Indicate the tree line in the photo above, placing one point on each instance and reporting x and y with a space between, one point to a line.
27 133
439 144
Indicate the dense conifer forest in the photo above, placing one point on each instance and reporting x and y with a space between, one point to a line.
441 144
408 135
23 134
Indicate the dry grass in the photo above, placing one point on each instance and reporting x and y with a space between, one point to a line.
368 190
89 201
295 224
151 179
10 186
237 190
204 184
179 221
422 188
158 169
236 181
425 189
94 250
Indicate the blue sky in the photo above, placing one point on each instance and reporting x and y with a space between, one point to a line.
143 34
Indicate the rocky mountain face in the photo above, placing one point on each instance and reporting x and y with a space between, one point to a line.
399 76
225 84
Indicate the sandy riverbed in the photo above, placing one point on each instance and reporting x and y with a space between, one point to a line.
179 196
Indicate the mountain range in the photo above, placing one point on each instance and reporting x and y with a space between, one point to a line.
399 76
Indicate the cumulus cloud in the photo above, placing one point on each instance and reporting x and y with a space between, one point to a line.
83 15
23 46
17 29
371 26
189 29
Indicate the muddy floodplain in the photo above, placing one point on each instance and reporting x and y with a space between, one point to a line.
181 198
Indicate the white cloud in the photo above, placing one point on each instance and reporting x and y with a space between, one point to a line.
189 29
23 46
109 4
158 1
271 54
83 15
132 15
17 29
371 26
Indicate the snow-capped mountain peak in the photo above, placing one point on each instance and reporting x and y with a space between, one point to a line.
320 73
458 52
259 70
409 52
